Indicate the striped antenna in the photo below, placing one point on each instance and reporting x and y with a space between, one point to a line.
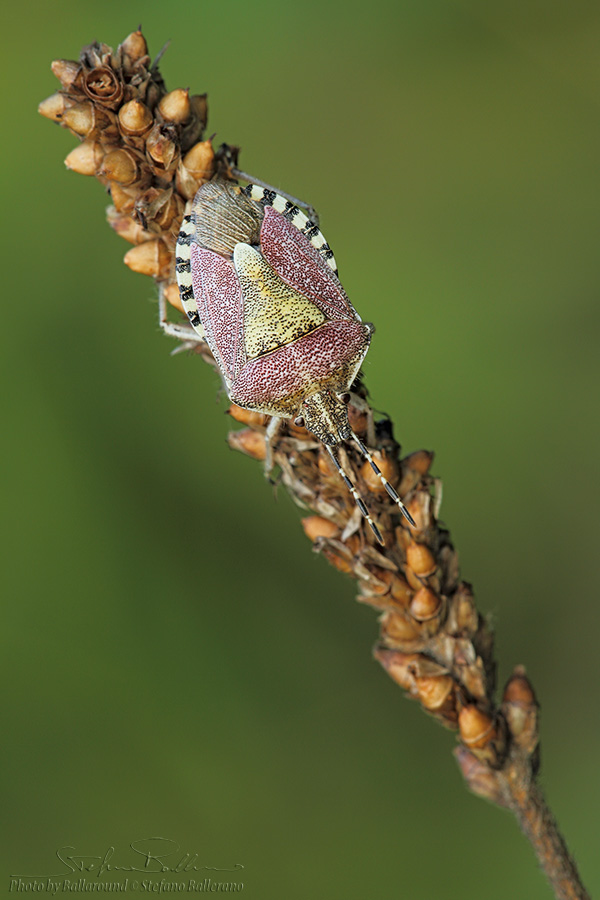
357 498
391 491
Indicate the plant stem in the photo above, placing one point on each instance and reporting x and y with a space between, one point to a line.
527 802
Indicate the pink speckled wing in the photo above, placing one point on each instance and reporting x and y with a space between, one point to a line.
220 305
316 357
302 267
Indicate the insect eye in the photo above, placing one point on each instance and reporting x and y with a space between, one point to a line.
345 398
299 421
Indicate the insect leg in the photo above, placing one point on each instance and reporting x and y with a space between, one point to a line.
391 491
312 213
181 331
357 498
270 435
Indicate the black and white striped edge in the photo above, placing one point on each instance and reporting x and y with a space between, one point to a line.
265 197
296 217
183 270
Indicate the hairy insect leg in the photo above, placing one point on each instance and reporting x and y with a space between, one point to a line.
310 210
270 435
391 491
182 331
357 498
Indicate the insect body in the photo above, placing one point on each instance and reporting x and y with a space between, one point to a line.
259 282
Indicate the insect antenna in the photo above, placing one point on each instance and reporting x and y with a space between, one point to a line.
391 491
357 498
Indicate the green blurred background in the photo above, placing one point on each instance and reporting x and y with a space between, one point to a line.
178 662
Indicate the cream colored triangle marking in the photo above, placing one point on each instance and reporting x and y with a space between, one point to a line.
274 313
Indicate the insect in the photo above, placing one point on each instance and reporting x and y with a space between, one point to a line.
259 283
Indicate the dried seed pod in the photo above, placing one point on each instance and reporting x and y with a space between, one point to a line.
467 667
133 50
447 560
420 559
170 221
316 527
476 727
135 118
401 591
192 131
397 630
199 109
484 735
403 538
419 507
126 227
120 166
359 420
80 118
384 604
248 416
388 467
519 690
186 184
399 666
326 466
54 106
150 204
250 442
420 461
463 617
162 147
85 120
86 158
381 580
336 554
196 167
353 543
123 198
66 70
175 106
414 581
103 86
150 258
150 92
521 710
96 54
425 605
157 208
414 468
436 693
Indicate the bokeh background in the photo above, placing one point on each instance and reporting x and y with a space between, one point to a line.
178 662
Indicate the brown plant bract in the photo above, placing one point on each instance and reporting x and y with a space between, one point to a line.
146 146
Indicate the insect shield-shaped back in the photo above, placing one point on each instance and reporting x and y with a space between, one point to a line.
259 282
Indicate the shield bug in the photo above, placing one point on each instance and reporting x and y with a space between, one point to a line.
259 283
